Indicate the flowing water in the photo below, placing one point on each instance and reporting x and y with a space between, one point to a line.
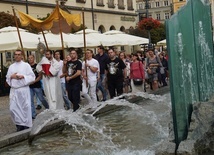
134 129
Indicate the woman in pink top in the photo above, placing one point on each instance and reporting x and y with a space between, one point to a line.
137 72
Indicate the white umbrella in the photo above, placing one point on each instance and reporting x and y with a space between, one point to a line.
87 31
9 39
162 42
78 41
70 40
127 39
101 38
53 40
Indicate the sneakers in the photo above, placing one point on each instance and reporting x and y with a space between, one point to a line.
38 107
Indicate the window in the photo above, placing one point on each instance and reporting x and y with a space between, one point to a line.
150 15
121 4
158 16
157 4
148 6
130 5
80 1
111 4
140 6
100 3
166 3
167 15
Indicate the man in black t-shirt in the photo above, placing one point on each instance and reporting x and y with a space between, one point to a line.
36 87
73 71
116 72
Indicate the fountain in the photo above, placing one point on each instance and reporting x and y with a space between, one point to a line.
132 129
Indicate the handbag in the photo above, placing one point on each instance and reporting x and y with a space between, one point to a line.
138 82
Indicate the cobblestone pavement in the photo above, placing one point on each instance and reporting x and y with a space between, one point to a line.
6 124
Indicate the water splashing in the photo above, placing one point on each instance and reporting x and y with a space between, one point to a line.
133 129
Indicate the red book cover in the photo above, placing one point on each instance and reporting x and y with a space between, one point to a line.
45 68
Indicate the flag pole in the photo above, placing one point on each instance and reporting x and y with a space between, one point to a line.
60 30
43 34
84 39
17 27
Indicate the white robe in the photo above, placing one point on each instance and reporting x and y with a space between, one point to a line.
52 85
20 101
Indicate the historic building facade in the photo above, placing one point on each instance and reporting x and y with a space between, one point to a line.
157 9
102 15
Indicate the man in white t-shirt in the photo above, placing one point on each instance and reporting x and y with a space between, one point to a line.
90 79
62 80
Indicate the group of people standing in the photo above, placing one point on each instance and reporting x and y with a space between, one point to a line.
64 82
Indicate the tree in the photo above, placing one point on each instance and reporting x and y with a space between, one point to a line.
156 34
148 24
7 20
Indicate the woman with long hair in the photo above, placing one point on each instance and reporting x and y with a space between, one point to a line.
164 69
137 72
127 84
153 68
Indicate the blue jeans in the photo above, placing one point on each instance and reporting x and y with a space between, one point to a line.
65 97
100 86
38 92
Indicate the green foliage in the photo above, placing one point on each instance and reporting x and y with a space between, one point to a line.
157 34
7 20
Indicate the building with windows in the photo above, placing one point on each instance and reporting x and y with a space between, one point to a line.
157 9
101 15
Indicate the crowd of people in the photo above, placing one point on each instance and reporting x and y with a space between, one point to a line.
60 84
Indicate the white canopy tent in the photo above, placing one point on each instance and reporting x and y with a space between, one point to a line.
53 40
9 39
104 40
162 42
70 40
126 39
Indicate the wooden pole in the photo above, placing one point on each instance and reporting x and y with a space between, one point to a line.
46 44
60 30
84 39
20 39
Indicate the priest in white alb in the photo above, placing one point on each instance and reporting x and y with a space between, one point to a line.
18 77
52 85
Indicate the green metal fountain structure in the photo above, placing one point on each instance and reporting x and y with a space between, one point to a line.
191 59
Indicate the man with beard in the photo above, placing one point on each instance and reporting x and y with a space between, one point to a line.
116 73
52 86
73 71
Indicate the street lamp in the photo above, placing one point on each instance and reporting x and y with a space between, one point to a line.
147 16
92 11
